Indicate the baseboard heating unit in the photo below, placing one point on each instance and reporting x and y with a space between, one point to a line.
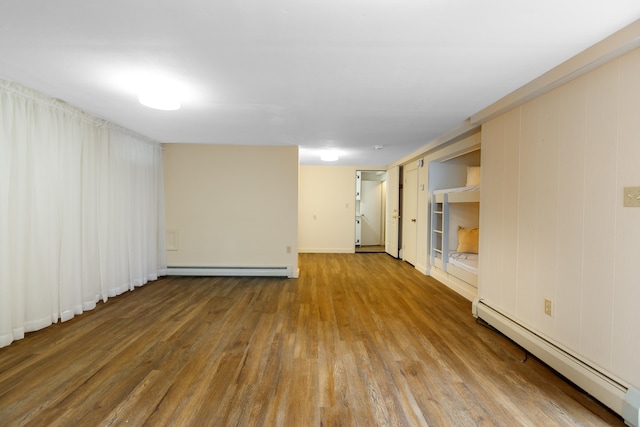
612 392
233 271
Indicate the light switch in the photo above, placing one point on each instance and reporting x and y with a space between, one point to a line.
631 197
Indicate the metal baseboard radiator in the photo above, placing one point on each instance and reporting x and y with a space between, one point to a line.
232 271
612 392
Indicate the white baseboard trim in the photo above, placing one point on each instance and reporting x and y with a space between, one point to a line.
422 269
463 288
611 391
234 271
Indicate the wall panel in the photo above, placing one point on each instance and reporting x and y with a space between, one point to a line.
570 212
626 315
571 152
599 213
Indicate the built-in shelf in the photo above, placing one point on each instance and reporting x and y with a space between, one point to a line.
438 225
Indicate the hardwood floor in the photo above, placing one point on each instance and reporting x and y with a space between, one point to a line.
356 340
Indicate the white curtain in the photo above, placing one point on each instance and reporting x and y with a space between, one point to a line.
81 211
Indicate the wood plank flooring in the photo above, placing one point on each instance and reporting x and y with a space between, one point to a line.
357 340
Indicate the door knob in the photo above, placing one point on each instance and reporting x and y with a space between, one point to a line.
413 220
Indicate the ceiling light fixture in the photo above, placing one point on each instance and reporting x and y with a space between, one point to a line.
160 93
329 156
160 101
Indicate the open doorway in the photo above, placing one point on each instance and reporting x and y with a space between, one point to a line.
371 194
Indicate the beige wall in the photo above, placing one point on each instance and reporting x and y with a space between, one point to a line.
553 220
231 206
327 209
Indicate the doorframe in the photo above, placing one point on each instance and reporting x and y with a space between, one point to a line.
357 203
393 225
406 216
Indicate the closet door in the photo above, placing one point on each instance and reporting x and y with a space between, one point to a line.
410 216
392 215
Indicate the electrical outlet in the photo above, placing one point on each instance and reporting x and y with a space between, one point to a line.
631 197
548 308
288 249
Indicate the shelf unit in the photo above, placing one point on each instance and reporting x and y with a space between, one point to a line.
439 223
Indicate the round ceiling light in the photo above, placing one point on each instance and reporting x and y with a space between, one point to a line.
160 93
160 101
329 156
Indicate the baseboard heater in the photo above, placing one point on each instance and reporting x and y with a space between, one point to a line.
612 392
232 271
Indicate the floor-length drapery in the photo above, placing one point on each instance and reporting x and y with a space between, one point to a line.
81 211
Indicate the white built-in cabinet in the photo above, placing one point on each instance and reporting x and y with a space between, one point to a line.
450 208
439 223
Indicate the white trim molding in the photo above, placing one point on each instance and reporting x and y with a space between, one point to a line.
609 390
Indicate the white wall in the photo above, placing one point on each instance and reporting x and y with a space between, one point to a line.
231 206
553 225
327 209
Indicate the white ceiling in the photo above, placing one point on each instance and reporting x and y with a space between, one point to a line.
347 74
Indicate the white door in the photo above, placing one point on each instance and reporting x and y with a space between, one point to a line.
371 213
392 211
410 216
